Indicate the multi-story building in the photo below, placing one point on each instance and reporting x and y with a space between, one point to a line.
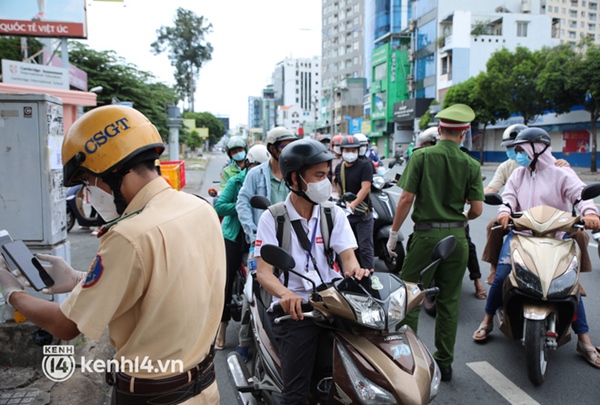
254 112
342 52
296 89
572 19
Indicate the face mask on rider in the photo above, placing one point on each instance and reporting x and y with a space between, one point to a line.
318 192
511 154
522 159
349 157
102 202
240 156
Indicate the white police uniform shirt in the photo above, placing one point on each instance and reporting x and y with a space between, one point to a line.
341 238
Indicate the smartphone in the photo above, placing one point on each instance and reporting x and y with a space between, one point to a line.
5 238
28 264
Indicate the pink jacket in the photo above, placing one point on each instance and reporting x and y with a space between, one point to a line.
556 187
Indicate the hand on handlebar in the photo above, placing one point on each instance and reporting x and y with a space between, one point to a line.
591 221
391 244
292 304
503 220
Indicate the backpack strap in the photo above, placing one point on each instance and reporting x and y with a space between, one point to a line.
326 228
283 231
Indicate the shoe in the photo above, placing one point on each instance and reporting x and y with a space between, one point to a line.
590 353
582 291
220 341
243 351
446 373
483 332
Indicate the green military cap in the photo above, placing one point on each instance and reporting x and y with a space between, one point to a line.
457 116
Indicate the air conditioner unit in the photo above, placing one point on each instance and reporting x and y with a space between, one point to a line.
410 78
411 55
526 6
411 25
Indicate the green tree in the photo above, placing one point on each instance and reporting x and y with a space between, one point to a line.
486 111
188 49
571 79
10 48
194 141
216 130
511 82
125 82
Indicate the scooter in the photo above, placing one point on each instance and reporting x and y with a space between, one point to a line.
384 209
372 362
75 211
541 293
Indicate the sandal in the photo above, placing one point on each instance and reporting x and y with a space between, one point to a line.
590 353
483 332
480 293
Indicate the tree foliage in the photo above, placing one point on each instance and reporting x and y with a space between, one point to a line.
125 82
510 81
10 48
188 49
216 130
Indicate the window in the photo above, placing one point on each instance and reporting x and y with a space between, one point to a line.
592 16
593 6
355 47
522 28
380 72
572 35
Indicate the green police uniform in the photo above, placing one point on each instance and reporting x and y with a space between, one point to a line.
442 177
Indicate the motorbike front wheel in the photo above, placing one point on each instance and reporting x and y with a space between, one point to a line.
535 350
70 219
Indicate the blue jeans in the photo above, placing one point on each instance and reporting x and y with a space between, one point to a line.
503 268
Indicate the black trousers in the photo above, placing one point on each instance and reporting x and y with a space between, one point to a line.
472 262
235 253
306 354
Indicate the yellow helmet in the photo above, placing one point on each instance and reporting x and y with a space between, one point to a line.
106 138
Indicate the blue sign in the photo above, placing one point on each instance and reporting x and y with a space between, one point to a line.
355 125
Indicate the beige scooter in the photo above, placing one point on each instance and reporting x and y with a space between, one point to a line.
541 293
371 362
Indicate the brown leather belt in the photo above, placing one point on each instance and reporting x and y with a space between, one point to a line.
427 226
172 390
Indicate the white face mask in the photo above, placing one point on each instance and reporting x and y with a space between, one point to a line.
337 150
362 151
349 157
318 192
103 202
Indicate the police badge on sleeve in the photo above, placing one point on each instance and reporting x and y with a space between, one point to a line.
94 273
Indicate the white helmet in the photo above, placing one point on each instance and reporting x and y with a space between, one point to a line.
363 141
258 154
511 133
279 134
429 135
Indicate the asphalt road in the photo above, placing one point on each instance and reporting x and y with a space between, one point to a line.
490 373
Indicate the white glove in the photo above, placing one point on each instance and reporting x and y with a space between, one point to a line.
8 282
64 276
391 244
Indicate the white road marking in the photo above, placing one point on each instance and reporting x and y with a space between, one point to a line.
500 383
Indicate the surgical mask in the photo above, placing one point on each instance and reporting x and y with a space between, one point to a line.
103 202
511 154
362 151
522 159
349 157
318 192
337 150
238 157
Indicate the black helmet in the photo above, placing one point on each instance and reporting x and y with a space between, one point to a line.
299 154
511 133
350 141
532 135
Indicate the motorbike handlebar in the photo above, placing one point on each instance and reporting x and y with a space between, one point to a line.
430 292
312 314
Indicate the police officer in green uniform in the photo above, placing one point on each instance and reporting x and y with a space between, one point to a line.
439 179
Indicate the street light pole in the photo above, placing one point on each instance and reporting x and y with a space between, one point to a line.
332 123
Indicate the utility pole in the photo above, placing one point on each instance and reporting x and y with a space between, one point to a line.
331 115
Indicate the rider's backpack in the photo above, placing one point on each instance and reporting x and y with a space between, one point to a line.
284 227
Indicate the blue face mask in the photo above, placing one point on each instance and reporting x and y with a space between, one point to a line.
238 157
522 159
511 154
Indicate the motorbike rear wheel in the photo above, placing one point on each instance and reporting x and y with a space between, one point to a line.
393 264
536 355
70 219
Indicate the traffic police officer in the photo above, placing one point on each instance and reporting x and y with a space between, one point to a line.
158 278
439 179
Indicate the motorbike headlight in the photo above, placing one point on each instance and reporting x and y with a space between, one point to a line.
368 312
378 182
435 382
529 282
563 284
367 391
396 307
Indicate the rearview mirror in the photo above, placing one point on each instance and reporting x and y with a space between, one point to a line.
493 199
444 248
277 257
591 191
260 202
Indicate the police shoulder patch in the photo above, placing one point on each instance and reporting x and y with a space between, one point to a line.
94 272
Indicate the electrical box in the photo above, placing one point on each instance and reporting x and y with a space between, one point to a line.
32 198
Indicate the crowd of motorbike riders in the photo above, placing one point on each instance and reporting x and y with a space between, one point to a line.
257 170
